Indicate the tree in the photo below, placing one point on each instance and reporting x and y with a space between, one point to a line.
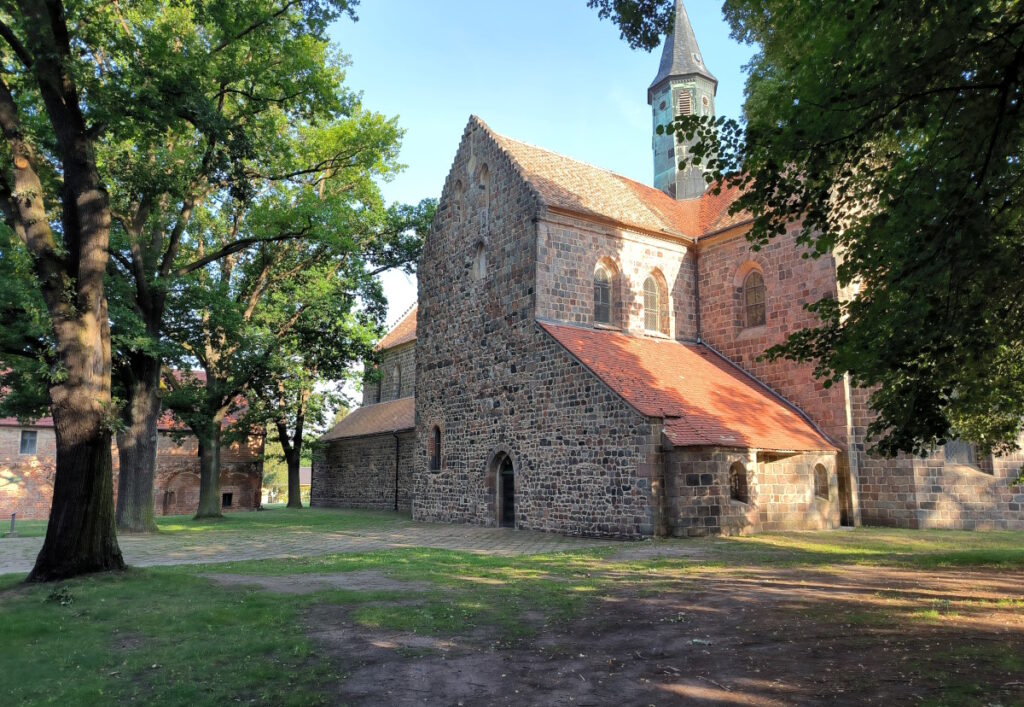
56 204
225 89
892 132
235 317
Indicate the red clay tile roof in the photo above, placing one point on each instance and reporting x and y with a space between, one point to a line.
401 333
705 400
392 416
562 182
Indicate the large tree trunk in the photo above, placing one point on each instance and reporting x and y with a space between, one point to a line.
294 489
209 471
137 448
293 457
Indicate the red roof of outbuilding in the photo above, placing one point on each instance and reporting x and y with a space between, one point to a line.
704 399
392 416
402 333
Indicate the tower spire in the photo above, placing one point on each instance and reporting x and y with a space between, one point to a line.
681 55
683 86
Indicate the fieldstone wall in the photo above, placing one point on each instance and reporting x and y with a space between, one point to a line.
398 367
359 472
26 482
568 252
496 384
780 492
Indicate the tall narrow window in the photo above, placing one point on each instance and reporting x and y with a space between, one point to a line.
602 297
435 449
821 482
398 380
29 439
738 487
377 390
684 104
479 262
652 305
753 299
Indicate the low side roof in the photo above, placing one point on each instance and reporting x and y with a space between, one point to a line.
402 333
704 399
392 416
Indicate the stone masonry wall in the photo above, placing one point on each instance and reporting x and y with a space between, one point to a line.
780 492
359 472
569 250
26 482
496 384
398 366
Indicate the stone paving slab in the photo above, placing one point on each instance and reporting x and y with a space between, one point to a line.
17 555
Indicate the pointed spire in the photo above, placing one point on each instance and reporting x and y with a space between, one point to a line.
681 56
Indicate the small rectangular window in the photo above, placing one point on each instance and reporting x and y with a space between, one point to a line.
226 499
29 440
958 451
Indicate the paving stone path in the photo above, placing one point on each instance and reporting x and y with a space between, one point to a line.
18 554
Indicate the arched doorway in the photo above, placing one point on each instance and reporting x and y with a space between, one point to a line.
506 493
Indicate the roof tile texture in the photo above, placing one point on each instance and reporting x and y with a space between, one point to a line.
392 416
704 399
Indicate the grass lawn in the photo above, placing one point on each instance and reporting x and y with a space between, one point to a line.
275 517
932 617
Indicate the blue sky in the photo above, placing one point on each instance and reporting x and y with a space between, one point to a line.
545 72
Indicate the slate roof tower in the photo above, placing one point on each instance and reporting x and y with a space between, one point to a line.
683 86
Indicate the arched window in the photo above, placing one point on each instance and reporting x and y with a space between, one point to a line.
602 297
821 482
435 449
753 299
398 380
485 198
458 201
654 306
377 390
684 103
479 270
738 488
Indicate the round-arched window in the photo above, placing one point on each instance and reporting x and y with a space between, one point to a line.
479 270
754 299
602 297
739 489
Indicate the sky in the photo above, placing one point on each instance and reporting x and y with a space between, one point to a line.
546 72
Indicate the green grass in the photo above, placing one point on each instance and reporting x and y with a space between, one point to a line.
168 636
276 517
921 549
154 636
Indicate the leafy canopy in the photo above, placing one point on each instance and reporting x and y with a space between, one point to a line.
889 134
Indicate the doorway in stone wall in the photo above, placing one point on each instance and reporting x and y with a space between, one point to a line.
506 494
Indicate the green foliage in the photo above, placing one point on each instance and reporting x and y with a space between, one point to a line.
888 135
642 22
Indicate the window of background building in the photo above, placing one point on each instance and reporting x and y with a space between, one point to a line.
753 299
29 440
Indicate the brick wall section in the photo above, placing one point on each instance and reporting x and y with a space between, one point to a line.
360 473
496 383
780 493
26 483
568 252
398 365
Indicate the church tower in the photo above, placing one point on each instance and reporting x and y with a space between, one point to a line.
683 86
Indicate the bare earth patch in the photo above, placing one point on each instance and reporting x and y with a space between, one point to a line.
362 581
850 635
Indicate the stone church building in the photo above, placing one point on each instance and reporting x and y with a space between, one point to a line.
583 360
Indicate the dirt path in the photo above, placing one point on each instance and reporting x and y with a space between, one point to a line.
745 637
